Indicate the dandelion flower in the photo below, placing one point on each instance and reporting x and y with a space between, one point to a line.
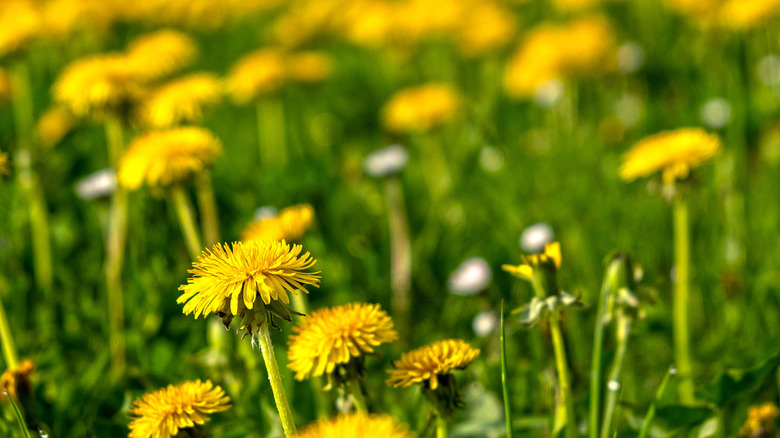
54 125
180 101
309 67
488 27
17 381
356 425
228 279
760 422
428 365
159 54
61 18
19 23
163 413
259 73
163 158
290 225
420 109
335 336
673 153
97 85
551 254
742 14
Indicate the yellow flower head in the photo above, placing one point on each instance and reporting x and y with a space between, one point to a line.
334 336
742 14
760 422
356 425
61 18
489 26
17 380
552 253
97 85
160 54
180 101
420 108
259 73
53 125
367 22
161 414
19 24
162 158
227 281
309 67
429 363
673 153
5 165
290 225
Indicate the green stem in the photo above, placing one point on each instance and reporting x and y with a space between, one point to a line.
564 381
357 397
401 256
504 377
280 397
187 221
271 132
441 426
115 251
595 370
434 158
651 412
681 299
623 328
208 209
301 304
9 348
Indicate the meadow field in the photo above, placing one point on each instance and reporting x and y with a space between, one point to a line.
433 218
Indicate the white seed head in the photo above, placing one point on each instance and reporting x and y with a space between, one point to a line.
471 277
716 113
386 161
485 323
630 57
535 237
266 212
491 158
629 109
549 93
769 70
97 185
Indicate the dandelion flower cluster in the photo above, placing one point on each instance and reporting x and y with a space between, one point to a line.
163 413
309 67
289 224
551 254
159 54
163 158
430 363
19 24
356 425
17 380
259 73
180 101
760 422
673 153
420 109
228 279
334 336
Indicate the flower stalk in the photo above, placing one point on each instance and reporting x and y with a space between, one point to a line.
681 298
565 400
263 337
357 397
208 209
271 132
401 255
185 213
9 347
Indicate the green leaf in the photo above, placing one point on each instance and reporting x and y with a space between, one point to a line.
19 416
734 382
675 416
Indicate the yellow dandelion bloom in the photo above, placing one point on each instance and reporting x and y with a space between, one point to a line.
417 20
535 62
590 46
163 413
163 158
227 281
97 85
61 18
334 336
17 380
489 26
160 54
309 67
429 363
552 253
367 22
356 425
673 153
19 24
180 101
420 108
760 422
289 225
256 74
742 14
53 125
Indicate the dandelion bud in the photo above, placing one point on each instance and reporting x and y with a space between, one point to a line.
386 161
100 184
471 277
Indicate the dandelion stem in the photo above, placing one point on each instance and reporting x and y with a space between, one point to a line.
115 250
681 298
504 377
357 397
26 175
623 323
564 381
9 348
651 411
595 370
271 132
401 256
437 172
280 397
441 426
208 209
187 220
301 304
